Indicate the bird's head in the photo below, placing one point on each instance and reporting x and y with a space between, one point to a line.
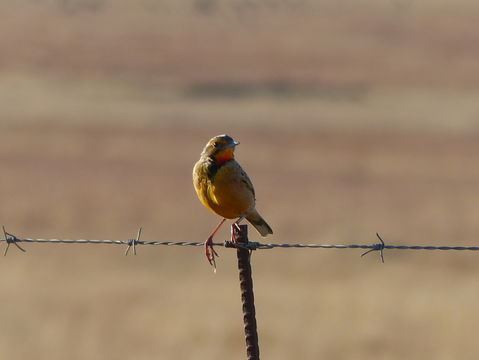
220 148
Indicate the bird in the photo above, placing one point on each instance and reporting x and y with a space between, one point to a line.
224 188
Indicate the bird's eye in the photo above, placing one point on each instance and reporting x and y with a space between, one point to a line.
215 144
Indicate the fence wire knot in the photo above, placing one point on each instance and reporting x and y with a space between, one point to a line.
132 243
377 247
250 245
11 239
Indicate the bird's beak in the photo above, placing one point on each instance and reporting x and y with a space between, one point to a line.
233 144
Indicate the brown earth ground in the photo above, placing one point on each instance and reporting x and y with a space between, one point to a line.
352 120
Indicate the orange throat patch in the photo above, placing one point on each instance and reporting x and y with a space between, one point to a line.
224 156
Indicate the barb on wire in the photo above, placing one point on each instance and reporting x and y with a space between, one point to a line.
377 247
10 239
132 243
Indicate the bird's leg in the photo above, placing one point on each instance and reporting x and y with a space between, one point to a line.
236 225
210 253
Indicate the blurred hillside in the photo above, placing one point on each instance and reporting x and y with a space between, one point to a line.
318 43
400 65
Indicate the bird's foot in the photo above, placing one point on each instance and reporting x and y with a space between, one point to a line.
233 236
210 252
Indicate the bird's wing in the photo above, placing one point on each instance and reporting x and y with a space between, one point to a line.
232 179
246 180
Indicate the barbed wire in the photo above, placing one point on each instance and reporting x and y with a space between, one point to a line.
132 243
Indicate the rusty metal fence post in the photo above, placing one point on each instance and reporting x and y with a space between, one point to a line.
247 295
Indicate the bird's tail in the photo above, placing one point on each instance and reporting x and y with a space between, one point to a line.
258 222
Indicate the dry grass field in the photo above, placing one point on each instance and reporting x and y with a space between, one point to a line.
354 118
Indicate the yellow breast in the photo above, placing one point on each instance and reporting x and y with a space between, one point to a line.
228 192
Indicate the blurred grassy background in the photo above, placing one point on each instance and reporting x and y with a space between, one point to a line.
354 117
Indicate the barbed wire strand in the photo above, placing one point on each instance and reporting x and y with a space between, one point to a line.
132 243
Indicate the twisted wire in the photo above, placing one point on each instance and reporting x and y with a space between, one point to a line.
372 247
132 243
250 245
108 242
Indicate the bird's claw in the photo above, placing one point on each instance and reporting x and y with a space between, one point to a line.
236 225
233 235
210 252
